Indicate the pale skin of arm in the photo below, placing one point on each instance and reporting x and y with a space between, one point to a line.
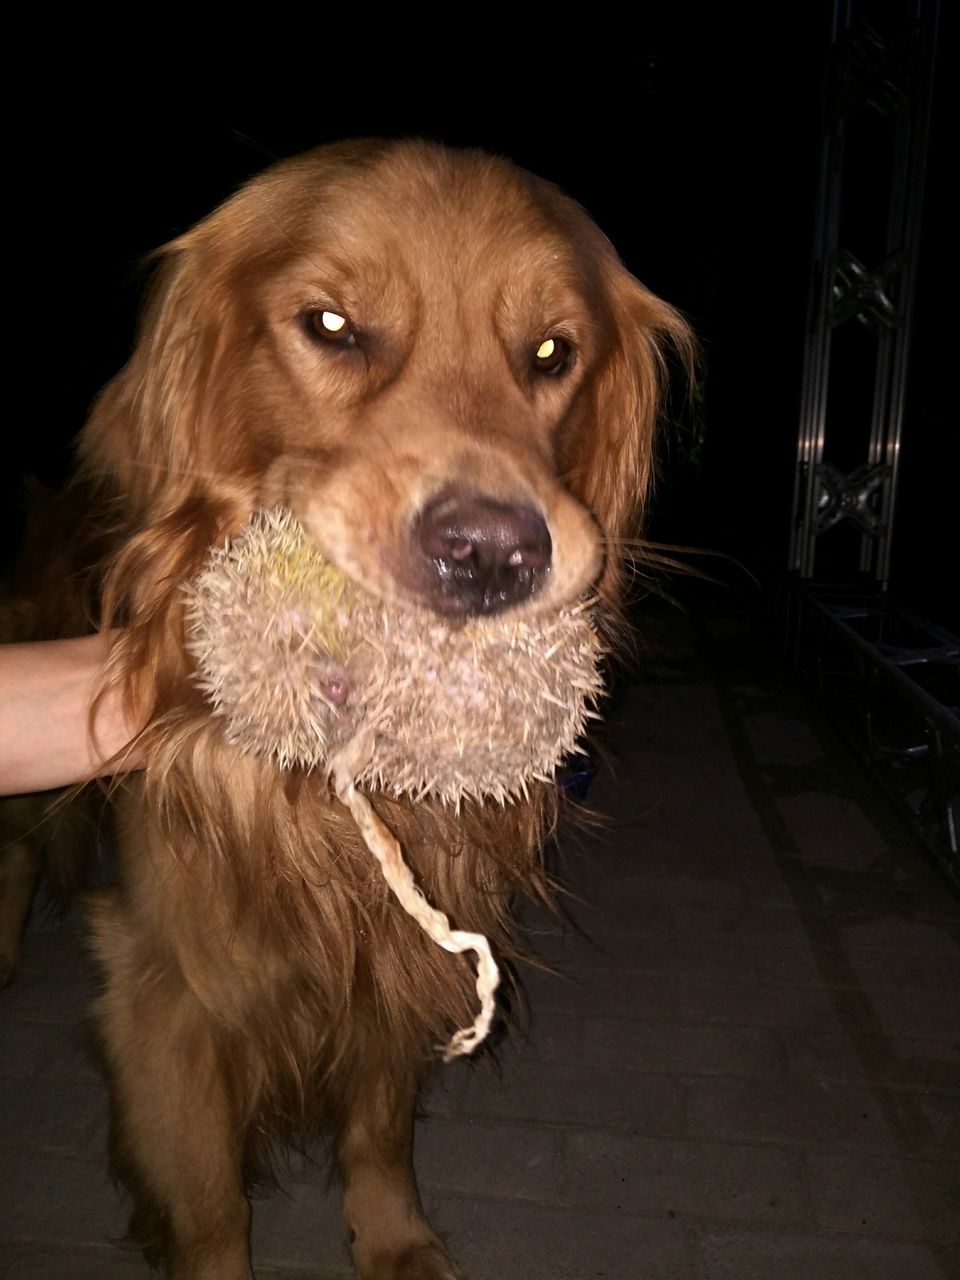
46 691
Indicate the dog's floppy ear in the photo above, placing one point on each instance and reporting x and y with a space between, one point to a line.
610 464
162 437
145 432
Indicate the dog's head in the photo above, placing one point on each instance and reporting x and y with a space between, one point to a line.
433 357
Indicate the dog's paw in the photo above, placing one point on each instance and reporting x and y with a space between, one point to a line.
422 1262
429 1262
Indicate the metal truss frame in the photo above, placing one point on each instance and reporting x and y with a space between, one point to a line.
893 77
891 682
889 679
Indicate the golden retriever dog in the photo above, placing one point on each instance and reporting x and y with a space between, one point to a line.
438 363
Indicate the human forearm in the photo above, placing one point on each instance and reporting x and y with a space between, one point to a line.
46 691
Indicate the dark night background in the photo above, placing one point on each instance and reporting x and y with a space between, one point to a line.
694 147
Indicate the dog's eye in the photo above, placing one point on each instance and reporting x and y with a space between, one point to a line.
331 327
552 356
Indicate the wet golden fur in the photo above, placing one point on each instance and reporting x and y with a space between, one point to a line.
259 977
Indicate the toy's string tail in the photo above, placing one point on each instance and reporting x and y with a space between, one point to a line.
384 846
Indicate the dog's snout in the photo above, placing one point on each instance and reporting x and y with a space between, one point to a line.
482 556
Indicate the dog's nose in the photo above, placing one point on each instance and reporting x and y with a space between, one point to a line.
482 556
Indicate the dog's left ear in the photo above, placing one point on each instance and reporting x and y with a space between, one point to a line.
611 460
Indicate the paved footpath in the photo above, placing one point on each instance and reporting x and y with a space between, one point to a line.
749 1069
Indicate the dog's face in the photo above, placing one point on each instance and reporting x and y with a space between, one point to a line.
433 358
433 336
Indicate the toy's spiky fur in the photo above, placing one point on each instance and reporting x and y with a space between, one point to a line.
447 711
309 670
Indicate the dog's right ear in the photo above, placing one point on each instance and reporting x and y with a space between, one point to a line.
146 430
155 441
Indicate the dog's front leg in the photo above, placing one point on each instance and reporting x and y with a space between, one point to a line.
176 1137
390 1237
